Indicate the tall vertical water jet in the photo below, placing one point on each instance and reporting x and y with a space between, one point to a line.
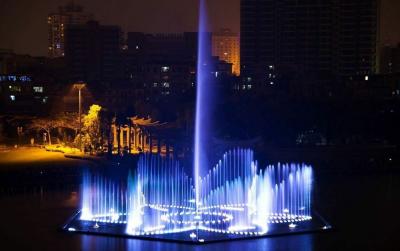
202 119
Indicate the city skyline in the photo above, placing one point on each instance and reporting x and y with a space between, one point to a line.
181 15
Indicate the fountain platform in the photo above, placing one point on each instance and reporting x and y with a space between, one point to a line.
196 235
236 200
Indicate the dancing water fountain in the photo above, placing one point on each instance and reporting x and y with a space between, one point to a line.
234 199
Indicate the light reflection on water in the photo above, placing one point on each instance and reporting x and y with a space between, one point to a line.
298 243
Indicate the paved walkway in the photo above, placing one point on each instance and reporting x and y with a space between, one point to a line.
23 157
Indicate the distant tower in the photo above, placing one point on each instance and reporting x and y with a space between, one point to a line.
226 46
57 22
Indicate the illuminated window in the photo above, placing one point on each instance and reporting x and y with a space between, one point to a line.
249 87
164 69
271 83
166 85
38 89
11 78
12 97
24 79
44 100
14 88
366 78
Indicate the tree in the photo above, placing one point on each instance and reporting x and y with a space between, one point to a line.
49 124
45 124
91 133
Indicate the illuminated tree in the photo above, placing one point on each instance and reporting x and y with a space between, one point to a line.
91 133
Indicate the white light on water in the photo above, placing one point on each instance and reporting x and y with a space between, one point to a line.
241 228
153 229
192 235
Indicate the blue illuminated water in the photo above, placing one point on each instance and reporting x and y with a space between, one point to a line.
202 94
236 197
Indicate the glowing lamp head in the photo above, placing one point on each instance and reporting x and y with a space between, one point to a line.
79 85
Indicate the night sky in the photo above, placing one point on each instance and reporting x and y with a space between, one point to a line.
23 23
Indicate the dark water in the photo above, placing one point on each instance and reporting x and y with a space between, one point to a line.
364 210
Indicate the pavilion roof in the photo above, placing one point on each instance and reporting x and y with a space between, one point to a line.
143 122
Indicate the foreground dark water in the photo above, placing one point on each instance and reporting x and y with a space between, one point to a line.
363 209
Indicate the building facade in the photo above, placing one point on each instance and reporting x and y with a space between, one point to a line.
69 14
226 46
166 63
310 39
92 52
25 95
390 60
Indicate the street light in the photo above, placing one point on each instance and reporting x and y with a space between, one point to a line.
80 86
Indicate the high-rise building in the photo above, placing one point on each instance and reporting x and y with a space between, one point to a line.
225 45
93 52
313 39
356 36
390 60
69 14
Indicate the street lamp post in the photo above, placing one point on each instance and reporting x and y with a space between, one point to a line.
80 86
